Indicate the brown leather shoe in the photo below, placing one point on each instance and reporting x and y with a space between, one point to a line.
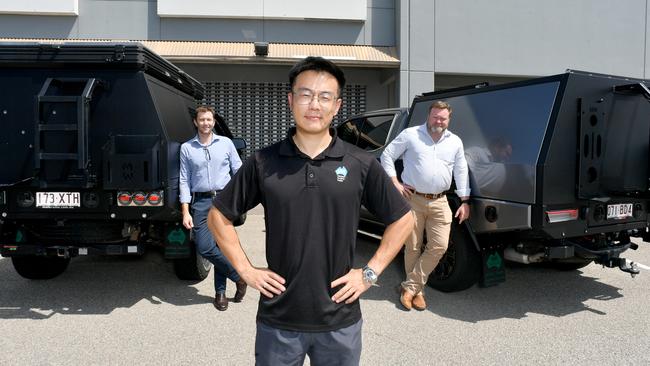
221 301
241 291
406 298
418 302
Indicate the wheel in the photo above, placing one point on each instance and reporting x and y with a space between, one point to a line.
570 266
460 267
40 268
194 268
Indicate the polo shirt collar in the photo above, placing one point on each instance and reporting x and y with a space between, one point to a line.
334 150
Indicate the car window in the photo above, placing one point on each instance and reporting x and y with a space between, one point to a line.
368 133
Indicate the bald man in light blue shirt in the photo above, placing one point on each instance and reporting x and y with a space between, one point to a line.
431 156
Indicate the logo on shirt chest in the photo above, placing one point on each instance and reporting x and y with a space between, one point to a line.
341 173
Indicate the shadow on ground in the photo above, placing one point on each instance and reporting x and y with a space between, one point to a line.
99 285
95 285
527 290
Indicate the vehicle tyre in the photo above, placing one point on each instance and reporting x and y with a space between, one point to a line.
193 268
460 267
39 267
570 266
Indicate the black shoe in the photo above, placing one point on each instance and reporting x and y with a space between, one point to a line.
241 291
221 301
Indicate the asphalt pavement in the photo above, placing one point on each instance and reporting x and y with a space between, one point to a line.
125 311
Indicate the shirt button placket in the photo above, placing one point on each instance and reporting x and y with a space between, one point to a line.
311 176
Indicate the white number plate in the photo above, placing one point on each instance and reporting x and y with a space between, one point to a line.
58 199
620 211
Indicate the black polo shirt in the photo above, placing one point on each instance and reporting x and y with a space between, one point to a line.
311 209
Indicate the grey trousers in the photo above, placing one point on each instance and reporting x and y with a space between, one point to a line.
284 347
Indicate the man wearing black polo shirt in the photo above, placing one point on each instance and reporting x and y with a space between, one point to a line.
311 185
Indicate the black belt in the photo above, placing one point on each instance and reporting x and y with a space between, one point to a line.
430 196
208 194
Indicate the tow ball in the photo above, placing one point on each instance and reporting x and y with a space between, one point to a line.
633 268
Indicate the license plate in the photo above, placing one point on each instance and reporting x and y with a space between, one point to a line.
58 199
619 211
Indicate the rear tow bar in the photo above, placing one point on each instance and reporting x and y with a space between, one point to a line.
633 268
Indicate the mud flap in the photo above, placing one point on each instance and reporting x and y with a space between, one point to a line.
493 266
177 242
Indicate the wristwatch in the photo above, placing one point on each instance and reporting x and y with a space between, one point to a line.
465 201
369 276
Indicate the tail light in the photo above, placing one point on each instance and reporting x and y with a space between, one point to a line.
562 215
154 198
139 199
123 198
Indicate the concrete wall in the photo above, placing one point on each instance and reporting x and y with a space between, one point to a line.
514 37
500 40
441 41
355 10
36 7
139 19
416 48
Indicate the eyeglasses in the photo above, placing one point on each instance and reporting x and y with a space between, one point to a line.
306 96
207 153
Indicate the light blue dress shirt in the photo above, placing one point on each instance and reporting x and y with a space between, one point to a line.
428 165
208 167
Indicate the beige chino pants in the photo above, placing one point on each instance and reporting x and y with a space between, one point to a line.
434 216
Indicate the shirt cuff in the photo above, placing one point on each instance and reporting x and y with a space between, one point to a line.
463 192
185 198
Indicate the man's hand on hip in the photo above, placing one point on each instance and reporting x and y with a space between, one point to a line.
404 189
353 286
267 282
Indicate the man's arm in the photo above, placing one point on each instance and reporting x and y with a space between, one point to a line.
391 243
392 152
264 280
461 177
185 196
235 161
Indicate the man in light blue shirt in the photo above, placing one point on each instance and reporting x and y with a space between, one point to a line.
431 155
207 163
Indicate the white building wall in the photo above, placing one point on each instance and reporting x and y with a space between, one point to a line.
39 7
514 37
270 9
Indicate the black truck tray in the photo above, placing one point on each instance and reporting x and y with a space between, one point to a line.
110 55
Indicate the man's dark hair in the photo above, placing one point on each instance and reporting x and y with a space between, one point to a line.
318 64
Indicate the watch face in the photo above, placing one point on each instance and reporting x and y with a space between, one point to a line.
369 275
